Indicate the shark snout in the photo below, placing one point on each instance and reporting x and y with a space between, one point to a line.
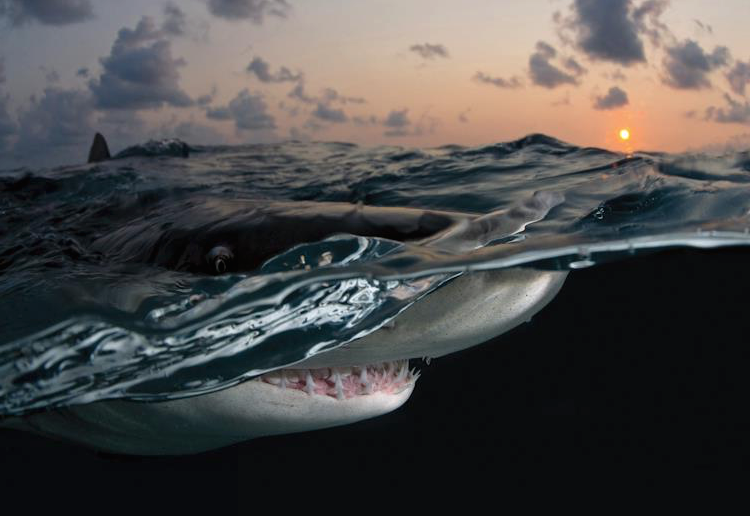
469 310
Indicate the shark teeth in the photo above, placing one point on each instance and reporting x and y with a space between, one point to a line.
338 384
345 382
309 383
402 372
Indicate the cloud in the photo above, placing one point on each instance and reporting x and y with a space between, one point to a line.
430 51
704 26
176 24
513 82
545 74
573 66
396 132
733 113
328 114
249 112
47 12
321 107
292 111
365 120
175 21
397 123
2 70
614 99
205 100
323 110
140 72
219 113
56 127
122 128
611 30
545 49
51 76
8 126
330 95
262 71
686 65
647 18
253 10
83 72
739 77
462 116
327 96
299 93
312 125
397 119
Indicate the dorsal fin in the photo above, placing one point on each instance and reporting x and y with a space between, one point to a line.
99 150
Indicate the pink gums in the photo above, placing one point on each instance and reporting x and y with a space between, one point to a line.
345 382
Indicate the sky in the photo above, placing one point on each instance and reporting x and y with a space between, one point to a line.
413 73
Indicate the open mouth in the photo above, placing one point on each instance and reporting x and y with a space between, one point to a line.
345 382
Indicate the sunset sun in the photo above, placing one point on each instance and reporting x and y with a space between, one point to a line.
624 134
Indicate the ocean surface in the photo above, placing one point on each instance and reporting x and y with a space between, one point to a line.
92 307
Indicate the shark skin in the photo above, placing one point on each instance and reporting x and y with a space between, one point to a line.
365 378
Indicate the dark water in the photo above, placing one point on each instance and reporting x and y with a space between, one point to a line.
88 312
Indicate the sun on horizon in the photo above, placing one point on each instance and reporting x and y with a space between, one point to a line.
624 134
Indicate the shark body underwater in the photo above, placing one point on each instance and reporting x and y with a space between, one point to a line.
364 378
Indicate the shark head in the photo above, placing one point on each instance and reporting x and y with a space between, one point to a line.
367 377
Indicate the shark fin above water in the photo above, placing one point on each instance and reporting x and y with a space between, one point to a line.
99 150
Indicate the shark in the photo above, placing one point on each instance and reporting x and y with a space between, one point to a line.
364 378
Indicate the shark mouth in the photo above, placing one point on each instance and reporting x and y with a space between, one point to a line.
345 382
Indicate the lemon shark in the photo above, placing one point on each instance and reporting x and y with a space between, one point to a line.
364 378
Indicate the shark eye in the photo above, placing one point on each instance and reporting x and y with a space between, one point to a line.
219 259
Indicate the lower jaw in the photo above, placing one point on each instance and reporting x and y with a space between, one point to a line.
345 382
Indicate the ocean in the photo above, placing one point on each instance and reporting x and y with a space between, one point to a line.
645 328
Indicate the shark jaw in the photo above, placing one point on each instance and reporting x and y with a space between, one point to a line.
345 382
